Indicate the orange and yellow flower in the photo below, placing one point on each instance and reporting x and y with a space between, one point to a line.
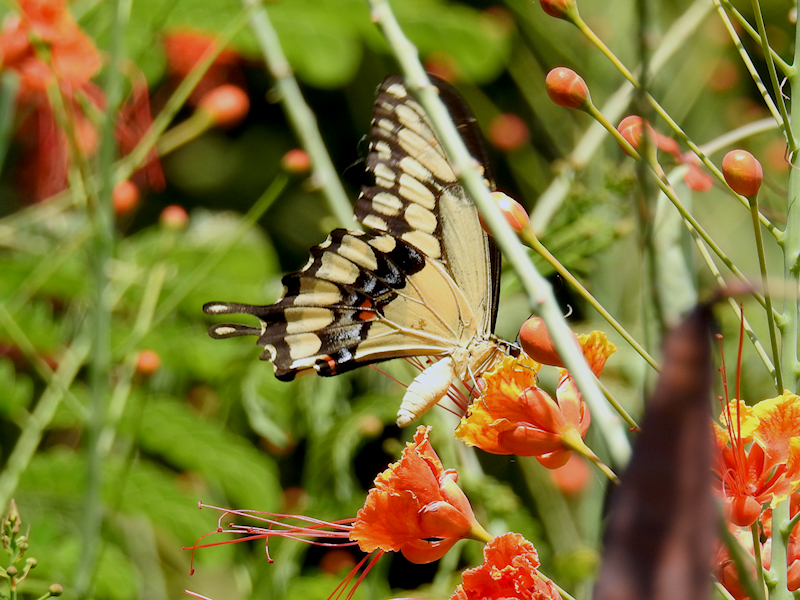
508 571
515 416
416 507
759 455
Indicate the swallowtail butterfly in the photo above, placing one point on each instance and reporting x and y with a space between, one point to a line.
423 281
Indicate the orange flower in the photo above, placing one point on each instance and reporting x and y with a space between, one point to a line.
186 48
515 416
759 455
416 507
508 571
73 56
537 343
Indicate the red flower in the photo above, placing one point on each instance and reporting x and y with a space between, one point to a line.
508 571
416 507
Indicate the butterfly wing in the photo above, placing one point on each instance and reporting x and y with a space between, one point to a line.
422 282
418 198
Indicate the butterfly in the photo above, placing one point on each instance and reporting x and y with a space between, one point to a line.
422 281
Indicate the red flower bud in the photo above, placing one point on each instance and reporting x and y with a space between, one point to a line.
296 161
228 105
632 128
742 172
508 132
174 217
514 213
148 362
125 197
566 88
537 343
559 9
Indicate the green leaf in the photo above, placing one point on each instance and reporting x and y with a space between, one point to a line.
191 443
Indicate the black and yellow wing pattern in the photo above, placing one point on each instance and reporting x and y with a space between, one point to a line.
422 281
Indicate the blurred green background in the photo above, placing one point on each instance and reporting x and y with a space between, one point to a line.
212 423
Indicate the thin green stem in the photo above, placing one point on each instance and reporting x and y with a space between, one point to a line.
201 272
101 215
578 22
751 68
779 590
675 39
762 264
300 116
138 156
31 435
618 407
530 239
703 250
666 188
773 76
788 70
757 554
539 291
184 132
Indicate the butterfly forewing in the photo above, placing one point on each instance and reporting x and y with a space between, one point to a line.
417 196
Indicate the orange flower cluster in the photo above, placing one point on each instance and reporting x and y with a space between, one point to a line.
50 54
508 571
513 415
758 467
416 507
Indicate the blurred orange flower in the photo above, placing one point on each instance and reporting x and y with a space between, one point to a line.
186 48
416 507
508 571
73 56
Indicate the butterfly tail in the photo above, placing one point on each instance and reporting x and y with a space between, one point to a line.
227 330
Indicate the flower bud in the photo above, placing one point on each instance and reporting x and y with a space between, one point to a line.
148 362
566 88
632 128
560 9
296 161
174 217
537 343
513 212
125 197
56 589
508 132
742 172
227 104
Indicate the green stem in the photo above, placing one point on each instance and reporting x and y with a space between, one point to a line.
669 120
300 116
703 250
201 272
773 76
751 68
787 69
780 541
137 157
102 217
539 291
689 220
31 435
674 40
762 264
528 237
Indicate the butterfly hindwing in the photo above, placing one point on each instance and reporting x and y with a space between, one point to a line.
361 298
